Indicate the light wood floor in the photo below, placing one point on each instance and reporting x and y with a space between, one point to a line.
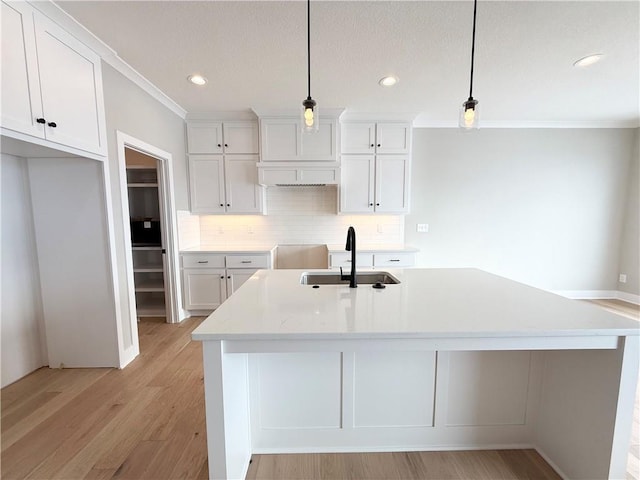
147 422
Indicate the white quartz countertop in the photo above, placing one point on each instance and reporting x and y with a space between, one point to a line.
229 249
372 247
428 303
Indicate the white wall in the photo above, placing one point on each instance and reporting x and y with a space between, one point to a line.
134 112
541 206
630 246
21 319
69 217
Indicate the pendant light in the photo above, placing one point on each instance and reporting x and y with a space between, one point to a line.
310 117
469 112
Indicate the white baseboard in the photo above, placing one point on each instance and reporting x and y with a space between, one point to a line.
629 297
551 463
599 294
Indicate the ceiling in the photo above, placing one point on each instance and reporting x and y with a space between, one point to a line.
254 56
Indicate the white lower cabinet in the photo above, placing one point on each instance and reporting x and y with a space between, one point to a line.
373 259
204 289
210 278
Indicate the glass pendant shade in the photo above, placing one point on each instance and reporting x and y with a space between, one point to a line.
469 115
310 116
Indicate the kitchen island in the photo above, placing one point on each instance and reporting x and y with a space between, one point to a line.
447 359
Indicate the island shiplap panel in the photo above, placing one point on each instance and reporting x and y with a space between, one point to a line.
300 390
487 388
394 389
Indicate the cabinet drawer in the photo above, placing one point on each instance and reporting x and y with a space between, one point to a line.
344 260
203 260
247 261
394 260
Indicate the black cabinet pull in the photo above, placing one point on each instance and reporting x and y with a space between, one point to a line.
41 120
203 261
52 124
394 259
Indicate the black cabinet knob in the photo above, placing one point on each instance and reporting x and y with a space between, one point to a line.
41 120
229 276
219 145
226 145
228 204
377 204
52 124
372 145
378 144
222 204
371 204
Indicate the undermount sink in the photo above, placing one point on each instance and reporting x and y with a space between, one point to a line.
333 278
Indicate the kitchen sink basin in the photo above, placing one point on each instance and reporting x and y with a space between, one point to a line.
333 278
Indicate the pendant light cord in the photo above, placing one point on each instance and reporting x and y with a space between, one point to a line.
473 48
309 47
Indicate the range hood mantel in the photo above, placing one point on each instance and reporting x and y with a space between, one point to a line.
289 157
298 174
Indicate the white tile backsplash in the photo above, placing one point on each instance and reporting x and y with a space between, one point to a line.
295 215
188 229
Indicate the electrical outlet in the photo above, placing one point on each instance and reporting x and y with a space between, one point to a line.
622 278
422 227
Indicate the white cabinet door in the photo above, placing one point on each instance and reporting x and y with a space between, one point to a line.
321 145
281 140
206 183
358 138
357 182
236 277
240 137
393 138
21 104
392 184
71 86
204 289
204 137
243 194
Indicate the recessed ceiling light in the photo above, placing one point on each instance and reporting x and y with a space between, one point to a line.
197 79
588 60
389 81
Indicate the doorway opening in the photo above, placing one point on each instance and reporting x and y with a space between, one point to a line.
150 238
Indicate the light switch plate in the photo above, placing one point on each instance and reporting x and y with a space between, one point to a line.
422 227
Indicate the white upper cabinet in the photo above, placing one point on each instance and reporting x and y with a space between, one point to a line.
217 137
282 140
379 138
375 167
51 83
21 104
240 137
206 183
204 137
374 184
226 183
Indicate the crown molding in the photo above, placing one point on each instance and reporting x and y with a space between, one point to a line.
424 123
106 53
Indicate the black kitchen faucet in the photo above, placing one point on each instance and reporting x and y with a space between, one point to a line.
351 247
